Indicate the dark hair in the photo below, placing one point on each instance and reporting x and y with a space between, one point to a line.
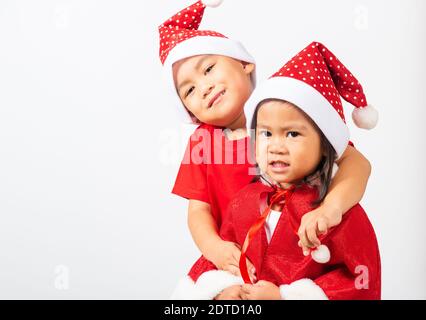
323 172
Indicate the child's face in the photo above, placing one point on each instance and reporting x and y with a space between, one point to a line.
288 147
213 88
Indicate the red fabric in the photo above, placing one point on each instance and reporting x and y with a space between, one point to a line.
183 26
353 246
213 169
279 196
319 68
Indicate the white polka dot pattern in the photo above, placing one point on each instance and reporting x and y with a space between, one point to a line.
321 69
182 26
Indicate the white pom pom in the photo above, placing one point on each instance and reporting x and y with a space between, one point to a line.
212 3
321 254
365 118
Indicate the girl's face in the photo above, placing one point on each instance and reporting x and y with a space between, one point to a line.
213 88
288 147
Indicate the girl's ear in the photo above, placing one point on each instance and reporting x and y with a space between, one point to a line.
248 67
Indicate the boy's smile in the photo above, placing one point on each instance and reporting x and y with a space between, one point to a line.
217 98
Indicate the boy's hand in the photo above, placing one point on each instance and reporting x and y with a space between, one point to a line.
262 290
230 293
315 223
226 256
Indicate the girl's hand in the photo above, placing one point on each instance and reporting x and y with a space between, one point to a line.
315 223
262 290
226 256
230 293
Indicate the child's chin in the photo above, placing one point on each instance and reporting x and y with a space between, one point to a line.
280 178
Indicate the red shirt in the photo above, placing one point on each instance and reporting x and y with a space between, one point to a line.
214 169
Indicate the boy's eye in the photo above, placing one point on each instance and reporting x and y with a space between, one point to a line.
189 91
209 69
292 134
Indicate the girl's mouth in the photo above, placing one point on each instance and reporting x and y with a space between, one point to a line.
278 166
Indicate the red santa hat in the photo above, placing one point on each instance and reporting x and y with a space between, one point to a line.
180 39
315 80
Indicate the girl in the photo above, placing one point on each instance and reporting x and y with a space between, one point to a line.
299 132
213 76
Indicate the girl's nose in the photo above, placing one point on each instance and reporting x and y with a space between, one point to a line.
277 147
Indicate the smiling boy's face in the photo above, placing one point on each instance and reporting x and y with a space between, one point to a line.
288 146
213 88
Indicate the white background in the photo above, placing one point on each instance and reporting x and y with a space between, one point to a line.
90 144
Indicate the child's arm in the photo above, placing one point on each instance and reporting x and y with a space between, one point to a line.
223 254
346 190
203 229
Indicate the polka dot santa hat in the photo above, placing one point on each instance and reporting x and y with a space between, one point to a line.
180 38
315 80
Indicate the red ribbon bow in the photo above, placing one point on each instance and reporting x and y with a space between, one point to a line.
278 196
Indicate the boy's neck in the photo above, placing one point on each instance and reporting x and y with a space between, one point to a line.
237 129
239 123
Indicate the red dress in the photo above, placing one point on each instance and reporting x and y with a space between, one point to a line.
353 271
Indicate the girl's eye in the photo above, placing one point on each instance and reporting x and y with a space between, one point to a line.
265 133
189 91
209 69
292 134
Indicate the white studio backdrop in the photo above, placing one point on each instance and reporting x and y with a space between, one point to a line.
90 143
